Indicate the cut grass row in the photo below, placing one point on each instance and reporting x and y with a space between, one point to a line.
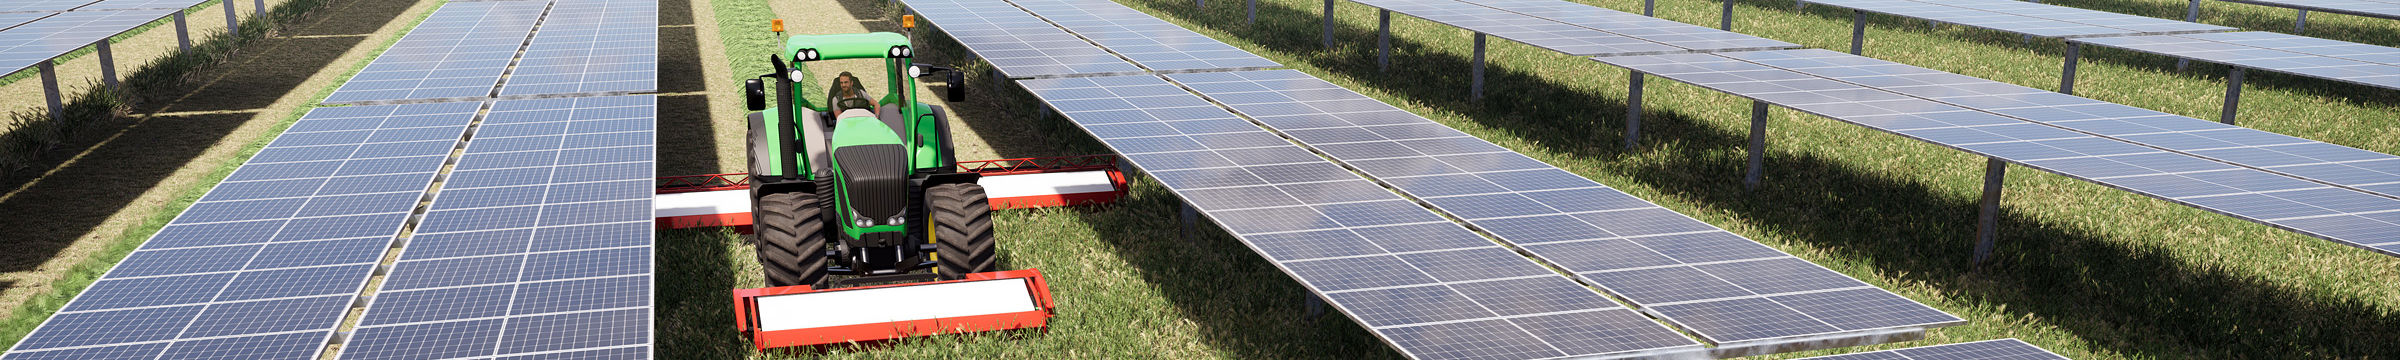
25 317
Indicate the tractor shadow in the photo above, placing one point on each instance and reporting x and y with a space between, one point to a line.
103 172
1905 228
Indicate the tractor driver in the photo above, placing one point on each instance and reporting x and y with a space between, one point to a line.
848 94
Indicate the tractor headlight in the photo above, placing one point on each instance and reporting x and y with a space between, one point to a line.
914 72
863 221
795 74
893 52
897 219
810 54
905 52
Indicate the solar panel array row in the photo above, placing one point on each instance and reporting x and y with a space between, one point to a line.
1688 37
269 261
2342 61
591 47
1427 286
2024 18
33 41
1895 98
538 243
1017 43
1727 289
1546 34
2372 8
458 53
1152 43
2011 349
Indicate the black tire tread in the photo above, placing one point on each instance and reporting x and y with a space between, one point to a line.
791 238
962 226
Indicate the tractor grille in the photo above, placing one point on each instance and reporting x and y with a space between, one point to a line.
876 177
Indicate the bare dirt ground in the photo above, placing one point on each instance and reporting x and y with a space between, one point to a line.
124 172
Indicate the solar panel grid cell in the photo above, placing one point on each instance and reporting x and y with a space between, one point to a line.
592 47
1390 264
1494 192
2320 58
1148 41
484 274
2009 349
1017 43
458 52
1680 35
42 7
271 271
2381 9
1555 36
41 40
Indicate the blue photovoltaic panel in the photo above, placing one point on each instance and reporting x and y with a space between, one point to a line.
1998 21
1546 34
267 263
1900 102
9 20
1017 43
1148 41
539 242
1685 36
41 6
32 43
1727 289
458 53
2002 349
2142 24
2368 8
1430 288
2354 63
140 4
591 47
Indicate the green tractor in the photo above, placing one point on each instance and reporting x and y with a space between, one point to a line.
859 187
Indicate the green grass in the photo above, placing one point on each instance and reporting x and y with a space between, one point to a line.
2086 271
25 317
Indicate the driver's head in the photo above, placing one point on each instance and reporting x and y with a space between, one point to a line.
846 82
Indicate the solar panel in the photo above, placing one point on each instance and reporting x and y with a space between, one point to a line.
2011 349
2142 24
591 47
1425 285
2352 7
1978 18
457 53
1148 41
2355 63
1729 290
2342 215
1680 35
42 6
139 4
539 242
1016 43
269 261
9 20
1560 37
41 40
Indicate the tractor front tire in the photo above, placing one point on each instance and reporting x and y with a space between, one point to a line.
962 229
791 238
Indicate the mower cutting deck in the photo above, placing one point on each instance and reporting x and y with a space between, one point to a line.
799 316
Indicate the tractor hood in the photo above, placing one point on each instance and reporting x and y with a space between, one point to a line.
845 46
873 165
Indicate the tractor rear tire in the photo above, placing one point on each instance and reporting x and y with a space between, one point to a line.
791 238
962 229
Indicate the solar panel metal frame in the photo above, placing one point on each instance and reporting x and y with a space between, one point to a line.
2382 72
586 240
590 48
2372 9
47 38
458 53
43 6
1985 19
1689 37
2246 193
1366 134
1016 43
1537 32
322 265
1191 146
2143 24
2009 348
1151 43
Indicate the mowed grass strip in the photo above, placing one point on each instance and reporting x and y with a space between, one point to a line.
2084 270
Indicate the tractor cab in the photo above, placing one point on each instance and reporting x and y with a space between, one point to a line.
857 185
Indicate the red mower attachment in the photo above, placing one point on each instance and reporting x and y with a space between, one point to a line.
800 316
713 200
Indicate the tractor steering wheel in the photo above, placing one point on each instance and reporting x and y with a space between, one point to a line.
855 103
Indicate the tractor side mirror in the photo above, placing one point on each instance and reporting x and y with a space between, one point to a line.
956 90
754 94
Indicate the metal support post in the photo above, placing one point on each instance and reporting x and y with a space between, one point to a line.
2066 74
1316 308
1191 220
1725 21
1477 87
108 64
258 7
1328 24
1858 31
183 33
1758 145
2302 24
50 90
1633 109
2233 95
1383 40
1987 221
1648 6
1250 9
2191 13
233 26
